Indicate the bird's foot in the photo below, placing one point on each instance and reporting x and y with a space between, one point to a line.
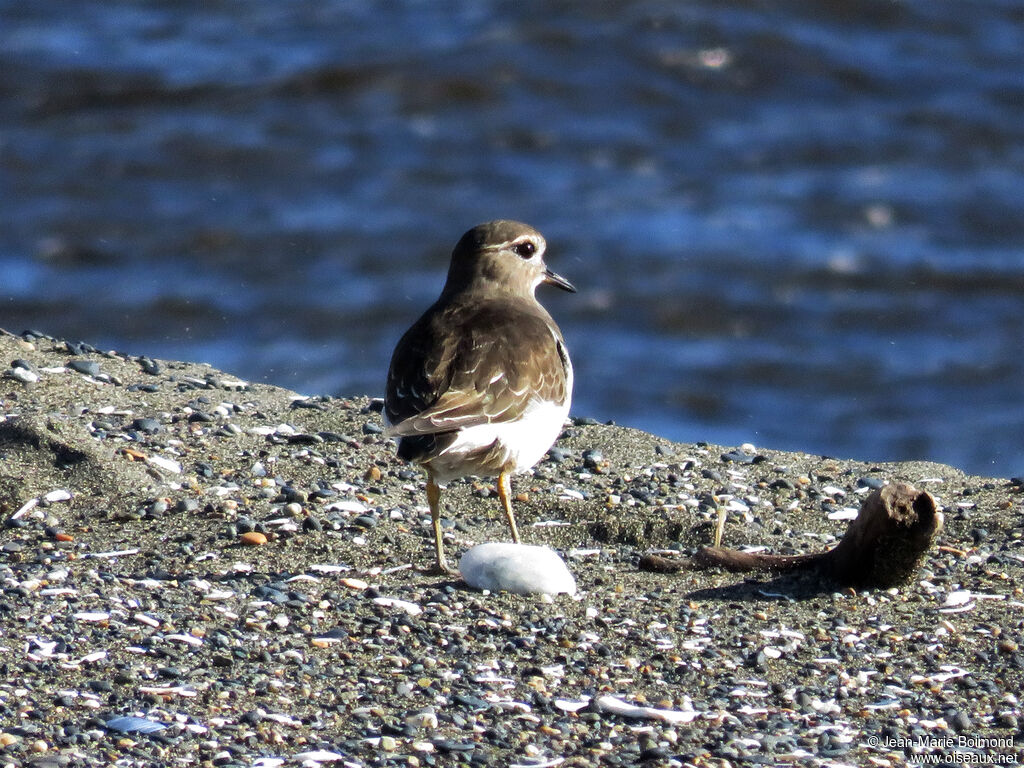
439 569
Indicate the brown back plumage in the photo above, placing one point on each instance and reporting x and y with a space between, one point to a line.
484 350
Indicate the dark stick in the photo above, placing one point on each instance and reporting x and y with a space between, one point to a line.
881 548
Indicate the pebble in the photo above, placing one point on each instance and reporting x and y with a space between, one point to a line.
149 366
518 568
252 538
147 425
558 454
87 367
739 457
23 375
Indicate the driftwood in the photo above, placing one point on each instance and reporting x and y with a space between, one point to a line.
881 548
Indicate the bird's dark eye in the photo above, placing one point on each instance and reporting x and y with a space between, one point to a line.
525 249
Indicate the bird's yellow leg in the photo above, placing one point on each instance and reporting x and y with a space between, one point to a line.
505 492
434 500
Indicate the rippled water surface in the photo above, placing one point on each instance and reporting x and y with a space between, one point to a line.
800 226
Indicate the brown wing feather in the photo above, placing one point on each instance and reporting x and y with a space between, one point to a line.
458 351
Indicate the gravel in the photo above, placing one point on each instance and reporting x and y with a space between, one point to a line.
144 622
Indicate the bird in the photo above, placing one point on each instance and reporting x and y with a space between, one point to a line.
481 384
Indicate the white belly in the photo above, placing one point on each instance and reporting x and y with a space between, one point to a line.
523 441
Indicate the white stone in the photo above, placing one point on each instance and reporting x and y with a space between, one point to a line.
520 568
23 375
168 464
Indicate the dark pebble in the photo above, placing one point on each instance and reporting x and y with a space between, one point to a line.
371 428
958 721
450 745
88 367
641 496
252 717
149 365
304 439
558 455
309 403
654 753
470 702
270 594
289 494
147 425
874 483
739 457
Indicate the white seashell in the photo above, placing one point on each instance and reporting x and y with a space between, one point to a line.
393 602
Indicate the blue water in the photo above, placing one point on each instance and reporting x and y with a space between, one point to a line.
798 225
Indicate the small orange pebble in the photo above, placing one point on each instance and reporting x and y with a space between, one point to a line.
1008 646
523 497
953 551
253 539
63 537
133 455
